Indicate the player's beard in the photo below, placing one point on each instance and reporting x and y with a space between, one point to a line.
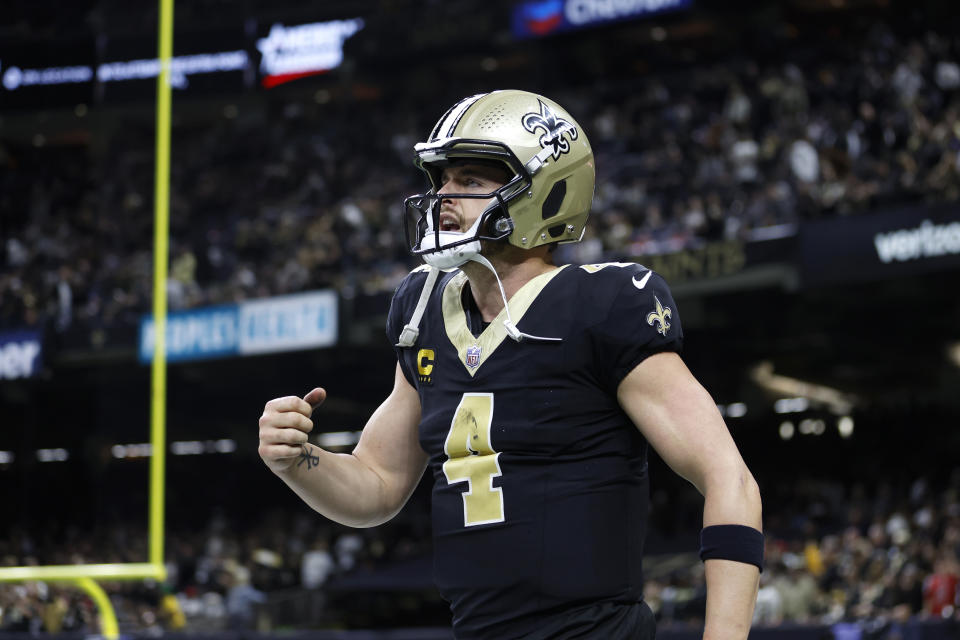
502 252
494 249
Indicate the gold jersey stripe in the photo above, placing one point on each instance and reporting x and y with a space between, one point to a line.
455 319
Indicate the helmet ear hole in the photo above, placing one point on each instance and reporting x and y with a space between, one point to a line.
556 230
551 206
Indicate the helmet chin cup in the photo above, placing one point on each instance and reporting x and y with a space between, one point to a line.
454 256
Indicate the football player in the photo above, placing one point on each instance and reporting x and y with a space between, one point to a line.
532 392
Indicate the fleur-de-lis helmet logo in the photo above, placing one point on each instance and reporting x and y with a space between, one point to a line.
660 317
553 129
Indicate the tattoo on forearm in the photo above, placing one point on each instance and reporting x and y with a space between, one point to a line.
311 460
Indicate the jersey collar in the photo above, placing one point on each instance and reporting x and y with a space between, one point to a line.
455 319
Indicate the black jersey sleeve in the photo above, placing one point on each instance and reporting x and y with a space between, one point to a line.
401 309
641 319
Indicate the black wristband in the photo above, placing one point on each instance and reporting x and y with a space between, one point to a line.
732 542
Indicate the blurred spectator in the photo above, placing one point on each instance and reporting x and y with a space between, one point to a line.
940 589
317 565
797 588
242 599
769 608
347 547
170 613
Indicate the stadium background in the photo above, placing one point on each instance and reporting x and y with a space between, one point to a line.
762 156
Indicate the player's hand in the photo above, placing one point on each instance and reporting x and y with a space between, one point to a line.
284 426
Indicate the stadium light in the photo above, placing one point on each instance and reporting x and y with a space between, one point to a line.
733 410
953 353
791 405
845 426
737 410
225 445
200 447
53 455
786 430
186 448
139 450
338 438
812 427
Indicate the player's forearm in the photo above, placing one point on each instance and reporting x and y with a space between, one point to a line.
340 487
731 596
731 498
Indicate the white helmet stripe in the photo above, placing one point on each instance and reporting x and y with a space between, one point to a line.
452 117
436 127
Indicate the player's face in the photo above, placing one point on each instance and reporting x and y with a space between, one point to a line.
459 214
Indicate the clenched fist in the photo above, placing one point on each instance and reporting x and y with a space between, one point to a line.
284 426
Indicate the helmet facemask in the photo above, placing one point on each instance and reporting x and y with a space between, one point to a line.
449 249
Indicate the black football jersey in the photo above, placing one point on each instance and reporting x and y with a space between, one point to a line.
541 492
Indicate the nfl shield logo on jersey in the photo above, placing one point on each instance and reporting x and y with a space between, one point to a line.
473 356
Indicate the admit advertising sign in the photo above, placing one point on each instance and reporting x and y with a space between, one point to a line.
303 50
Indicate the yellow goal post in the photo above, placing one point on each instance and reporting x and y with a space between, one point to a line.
85 576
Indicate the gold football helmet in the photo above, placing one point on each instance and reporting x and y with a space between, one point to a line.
547 158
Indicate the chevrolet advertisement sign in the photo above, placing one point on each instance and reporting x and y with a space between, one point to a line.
545 17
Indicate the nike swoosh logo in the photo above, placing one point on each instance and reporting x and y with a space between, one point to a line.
642 282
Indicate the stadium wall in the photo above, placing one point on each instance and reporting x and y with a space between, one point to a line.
911 630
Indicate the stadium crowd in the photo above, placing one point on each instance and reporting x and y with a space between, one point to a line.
305 195
298 195
836 553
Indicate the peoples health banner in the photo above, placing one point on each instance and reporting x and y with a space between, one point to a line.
20 353
540 18
269 325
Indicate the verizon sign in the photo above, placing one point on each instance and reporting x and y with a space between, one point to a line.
302 50
928 240
20 354
890 244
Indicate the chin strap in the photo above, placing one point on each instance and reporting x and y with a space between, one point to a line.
512 331
412 329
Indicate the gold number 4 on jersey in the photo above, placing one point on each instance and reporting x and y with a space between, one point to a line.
471 459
